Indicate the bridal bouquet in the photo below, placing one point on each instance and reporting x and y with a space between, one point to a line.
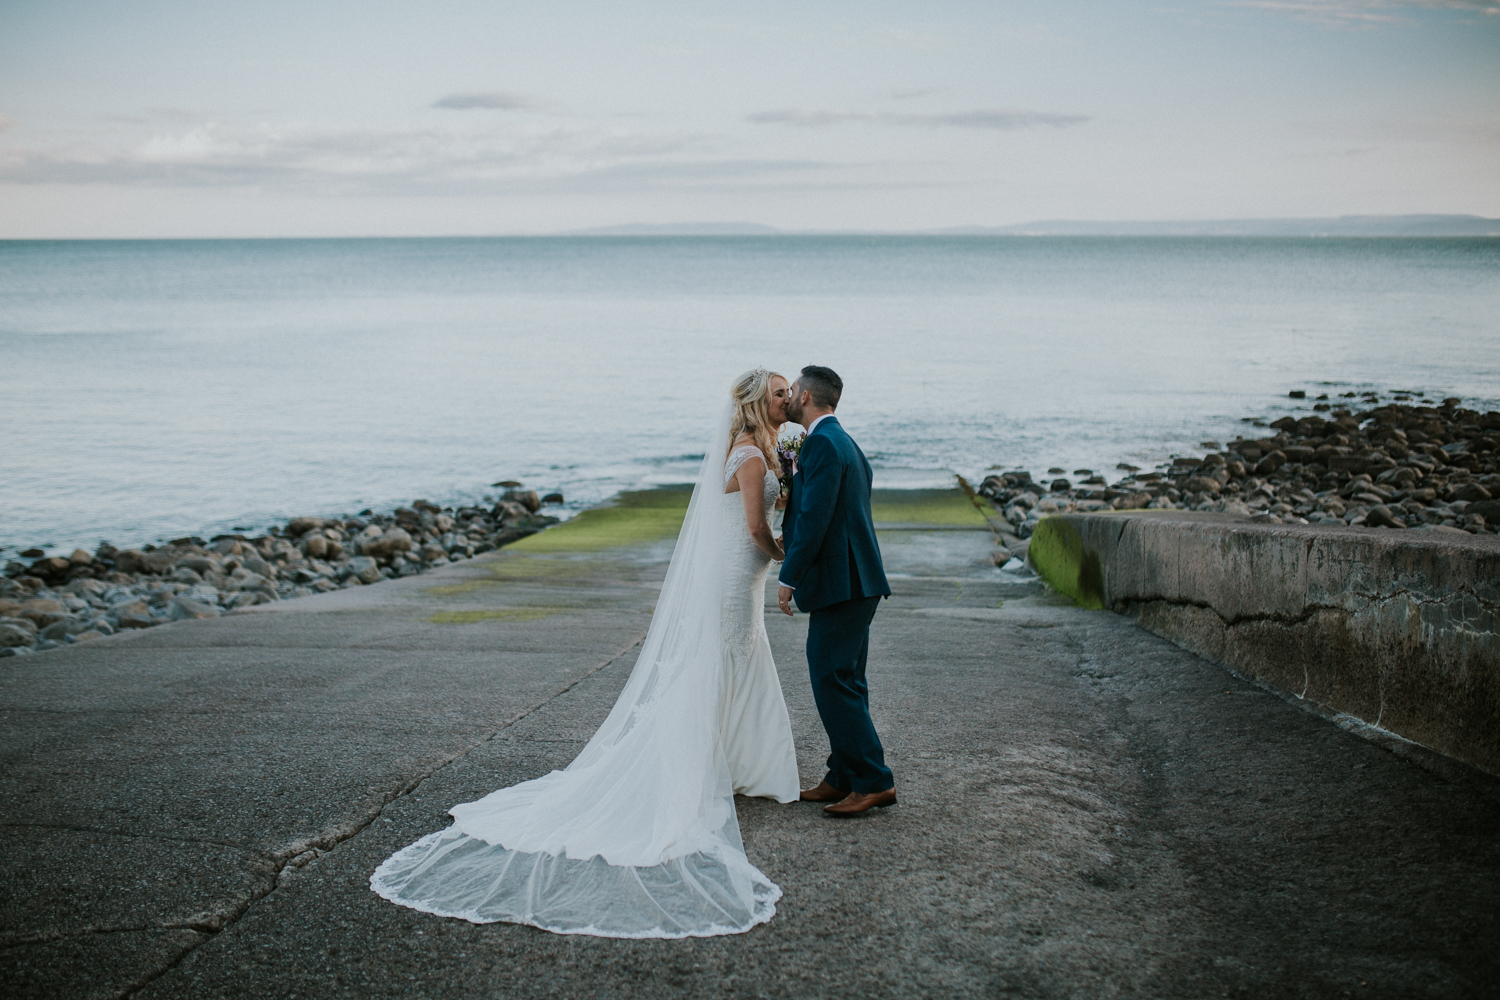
787 450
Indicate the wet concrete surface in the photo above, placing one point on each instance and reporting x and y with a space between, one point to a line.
1085 809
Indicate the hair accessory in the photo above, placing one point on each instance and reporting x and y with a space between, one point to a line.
752 379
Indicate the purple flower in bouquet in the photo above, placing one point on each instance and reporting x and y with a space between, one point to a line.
787 450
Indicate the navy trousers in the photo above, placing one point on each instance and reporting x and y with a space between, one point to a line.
838 644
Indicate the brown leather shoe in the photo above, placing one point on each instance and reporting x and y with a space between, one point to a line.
823 793
859 802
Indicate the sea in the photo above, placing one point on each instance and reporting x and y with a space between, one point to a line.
155 389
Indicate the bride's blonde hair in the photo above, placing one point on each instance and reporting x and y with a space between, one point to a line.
751 393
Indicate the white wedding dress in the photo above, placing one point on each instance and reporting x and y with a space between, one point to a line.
638 837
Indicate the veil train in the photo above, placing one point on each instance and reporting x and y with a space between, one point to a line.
638 837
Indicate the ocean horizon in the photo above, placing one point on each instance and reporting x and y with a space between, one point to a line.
159 388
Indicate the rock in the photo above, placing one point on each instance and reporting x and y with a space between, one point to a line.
507 483
1297 394
135 619
42 611
129 560
185 575
299 526
334 549
1487 509
1061 486
80 558
1200 484
315 546
258 566
426 507
1352 464
1001 555
198 564
432 553
508 512
1137 500
245 599
1472 492
88 635
1380 516
526 498
183 608
60 630
26 624
51 568
156 561
553 498
391 541
1297 453
36 553
1270 463
14 635
1400 477
443 523
364 569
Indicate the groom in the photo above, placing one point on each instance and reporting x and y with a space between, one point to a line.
833 568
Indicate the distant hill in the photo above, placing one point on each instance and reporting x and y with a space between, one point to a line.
1344 225
681 229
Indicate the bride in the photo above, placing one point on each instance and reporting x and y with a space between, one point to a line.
638 836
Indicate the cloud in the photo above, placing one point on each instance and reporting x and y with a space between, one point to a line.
1360 12
398 161
498 100
906 95
6 123
1001 120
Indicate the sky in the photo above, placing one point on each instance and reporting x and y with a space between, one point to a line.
134 118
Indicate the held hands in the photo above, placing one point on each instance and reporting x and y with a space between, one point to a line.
784 600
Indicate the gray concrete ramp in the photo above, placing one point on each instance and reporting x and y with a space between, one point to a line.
1085 809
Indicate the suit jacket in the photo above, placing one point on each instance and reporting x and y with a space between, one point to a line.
829 535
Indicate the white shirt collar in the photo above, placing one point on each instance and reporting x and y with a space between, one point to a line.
815 423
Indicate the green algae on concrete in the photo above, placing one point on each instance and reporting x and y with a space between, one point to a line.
630 519
1059 556
510 567
946 508
493 614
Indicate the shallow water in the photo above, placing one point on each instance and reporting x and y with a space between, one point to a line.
154 389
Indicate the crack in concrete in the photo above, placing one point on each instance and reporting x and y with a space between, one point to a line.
1308 611
47 937
300 853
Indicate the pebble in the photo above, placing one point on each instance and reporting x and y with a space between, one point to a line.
51 602
1404 464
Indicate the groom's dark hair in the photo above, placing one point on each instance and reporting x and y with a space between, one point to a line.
824 384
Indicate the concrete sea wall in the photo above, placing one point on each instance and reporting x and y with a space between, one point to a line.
1400 629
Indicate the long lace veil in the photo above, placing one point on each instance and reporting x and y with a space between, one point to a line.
638 836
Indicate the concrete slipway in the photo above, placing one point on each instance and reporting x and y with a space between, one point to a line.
1086 810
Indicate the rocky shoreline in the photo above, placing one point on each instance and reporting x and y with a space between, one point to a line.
54 601
1403 464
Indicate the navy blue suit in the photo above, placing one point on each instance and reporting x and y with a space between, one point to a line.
833 563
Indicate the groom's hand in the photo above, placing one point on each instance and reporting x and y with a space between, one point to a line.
784 599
